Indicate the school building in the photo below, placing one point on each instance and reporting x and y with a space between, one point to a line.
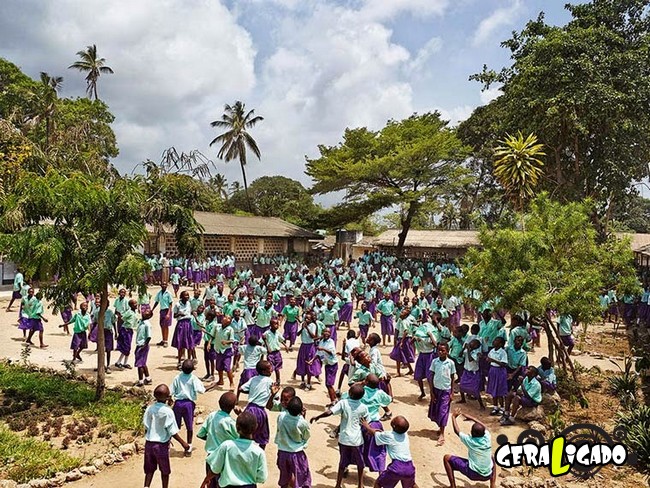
243 236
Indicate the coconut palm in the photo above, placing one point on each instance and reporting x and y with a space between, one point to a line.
51 85
518 167
94 66
235 187
236 139
219 185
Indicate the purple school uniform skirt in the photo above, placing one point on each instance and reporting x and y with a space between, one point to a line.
184 412
197 337
547 386
403 351
306 353
290 332
279 306
345 315
124 339
396 472
255 331
363 331
462 466
16 295
497 382
165 318
642 311
141 355
294 465
387 327
183 337
79 341
246 375
156 456
527 402
628 311
224 360
92 335
275 358
470 383
568 340
351 455
330 374
66 315
332 329
374 456
108 340
261 434
24 324
439 411
372 307
423 366
35 325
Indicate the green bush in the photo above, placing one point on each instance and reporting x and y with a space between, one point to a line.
635 426
624 386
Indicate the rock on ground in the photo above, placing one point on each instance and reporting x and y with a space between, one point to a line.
531 414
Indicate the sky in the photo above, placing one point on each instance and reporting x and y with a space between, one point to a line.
311 68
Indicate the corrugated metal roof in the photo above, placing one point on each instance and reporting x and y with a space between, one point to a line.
439 239
238 225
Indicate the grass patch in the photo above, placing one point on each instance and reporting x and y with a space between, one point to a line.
51 390
23 459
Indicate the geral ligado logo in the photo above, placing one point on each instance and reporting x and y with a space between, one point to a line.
581 450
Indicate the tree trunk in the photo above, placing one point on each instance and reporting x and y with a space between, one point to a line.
101 346
406 225
95 90
248 198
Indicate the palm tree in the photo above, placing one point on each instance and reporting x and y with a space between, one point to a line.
235 187
219 185
236 138
95 66
51 85
518 166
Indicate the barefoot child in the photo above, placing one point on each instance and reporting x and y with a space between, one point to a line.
259 392
80 325
443 370
219 427
351 410
497 386
401 469
291 438
185 388
470 382
291 315
142 340
223 341
273 341
238 462
307 352
159 427
209 348
33 307
478 465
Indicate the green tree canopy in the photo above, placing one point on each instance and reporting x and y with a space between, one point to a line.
278 196
557 264
583 89
409 163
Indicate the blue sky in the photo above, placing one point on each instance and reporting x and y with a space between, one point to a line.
310 67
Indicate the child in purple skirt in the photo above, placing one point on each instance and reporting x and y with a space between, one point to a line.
274 340
66 316
351 410
307 352
386 309
497 386
401 469
443 370
425 344
327 356
185 388
365 321
253 354
291 438
478 466
225 336
259 392
142 340
470 382
402 352
80 325
160 428
129 323
183 340
374 455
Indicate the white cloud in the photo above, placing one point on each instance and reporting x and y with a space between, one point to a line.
490 94
456 114
498 19
387 9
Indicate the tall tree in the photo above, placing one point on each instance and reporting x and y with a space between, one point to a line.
409 163
51 86
583 89
236 139
219 184
94 66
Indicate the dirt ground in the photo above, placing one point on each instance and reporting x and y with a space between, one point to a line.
322 451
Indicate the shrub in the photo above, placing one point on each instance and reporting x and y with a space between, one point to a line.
634 426
624 386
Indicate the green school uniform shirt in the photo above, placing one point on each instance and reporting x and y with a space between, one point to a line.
263 316
291 313
273 340
516 358
80 323
443 371
164 300
239 462
217 428
533 388
130 320
480 453
143 333
329 317
224 334
365 318
292 433
386 307
229 308
121 305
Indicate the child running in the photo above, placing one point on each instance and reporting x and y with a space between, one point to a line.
185 388
273 341
259 392
80 325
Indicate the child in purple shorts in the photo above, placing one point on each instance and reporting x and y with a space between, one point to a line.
274 340
259 392
478 466
225 336
291 438
401 469
160 427
326 354
185 389
142 340
529 395
351 411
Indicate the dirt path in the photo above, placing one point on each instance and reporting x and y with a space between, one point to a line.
322 451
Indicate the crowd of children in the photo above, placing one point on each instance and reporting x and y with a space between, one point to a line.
259 318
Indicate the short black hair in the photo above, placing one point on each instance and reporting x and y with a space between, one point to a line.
295 406
246 424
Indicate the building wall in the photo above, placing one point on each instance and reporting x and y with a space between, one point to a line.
428 252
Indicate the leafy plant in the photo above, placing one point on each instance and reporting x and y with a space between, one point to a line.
25 353
624 386
556 423
634 425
